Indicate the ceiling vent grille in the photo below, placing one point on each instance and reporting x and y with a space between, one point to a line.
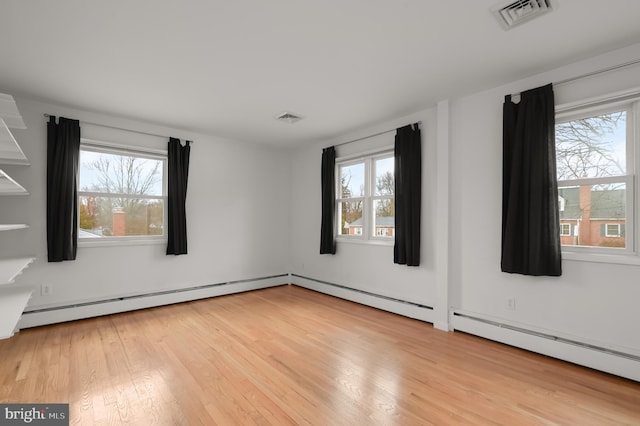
288 117
517 12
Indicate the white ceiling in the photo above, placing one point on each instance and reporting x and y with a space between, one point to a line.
228 68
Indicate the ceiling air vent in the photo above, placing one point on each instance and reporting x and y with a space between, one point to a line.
288 117
514 13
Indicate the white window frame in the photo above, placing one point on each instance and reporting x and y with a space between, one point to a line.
119 149
368 234
606 230
562 227
629 101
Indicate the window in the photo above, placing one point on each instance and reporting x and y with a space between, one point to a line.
613 230
365 197
596 168
121 194
565 229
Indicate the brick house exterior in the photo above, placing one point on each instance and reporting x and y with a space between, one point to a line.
385 227
592 217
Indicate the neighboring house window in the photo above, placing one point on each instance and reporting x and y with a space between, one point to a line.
612 230
565 229
365 197
596 169
121 193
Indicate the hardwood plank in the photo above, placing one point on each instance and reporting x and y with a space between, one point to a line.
290 356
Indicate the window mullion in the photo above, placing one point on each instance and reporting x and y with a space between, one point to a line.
120 195
632 192
366 212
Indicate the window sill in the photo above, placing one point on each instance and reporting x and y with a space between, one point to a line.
365 242
614 258
120 242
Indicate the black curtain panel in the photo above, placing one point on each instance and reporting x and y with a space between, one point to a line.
328 184
530 212
408 183
63 157
178 173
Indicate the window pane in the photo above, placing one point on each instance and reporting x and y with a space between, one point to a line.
594 216
115 217
119 174
592 147
385 223
350 213
384 184
352 181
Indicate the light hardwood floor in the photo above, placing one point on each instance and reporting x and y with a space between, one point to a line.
287 355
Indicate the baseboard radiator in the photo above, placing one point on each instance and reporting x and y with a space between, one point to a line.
386 303
594 356
52 315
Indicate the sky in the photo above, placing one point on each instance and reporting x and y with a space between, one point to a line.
357 173
90 177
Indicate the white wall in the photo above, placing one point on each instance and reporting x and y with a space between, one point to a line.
237 210
595 303
255 211
364 267
592 303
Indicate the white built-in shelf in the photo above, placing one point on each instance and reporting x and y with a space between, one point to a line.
9 112
13 297
13 300
11 268
12 226
9 186
10 151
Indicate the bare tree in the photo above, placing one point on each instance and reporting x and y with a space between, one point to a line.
583 147
385 185
126 177
351 210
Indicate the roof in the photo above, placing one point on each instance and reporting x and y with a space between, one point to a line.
381 221
605 204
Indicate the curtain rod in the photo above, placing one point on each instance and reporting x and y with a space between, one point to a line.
374 135
121 128
592 73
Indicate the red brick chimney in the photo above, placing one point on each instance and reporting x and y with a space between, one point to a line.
119 223
585 220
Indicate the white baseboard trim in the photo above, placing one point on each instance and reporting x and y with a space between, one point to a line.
396 306
45 316
588 355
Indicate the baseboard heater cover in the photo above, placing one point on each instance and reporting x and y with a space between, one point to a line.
52 315
589 355
391 304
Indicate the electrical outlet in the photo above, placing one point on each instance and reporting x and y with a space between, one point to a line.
46 290
511 303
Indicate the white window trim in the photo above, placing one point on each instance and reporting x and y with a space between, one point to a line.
368 232
565 112
562 225
143 152
606 230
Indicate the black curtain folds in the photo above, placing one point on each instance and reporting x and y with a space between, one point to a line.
328 185
408 184
178 173
63 157
530 212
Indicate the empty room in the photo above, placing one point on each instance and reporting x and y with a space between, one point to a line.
282 212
